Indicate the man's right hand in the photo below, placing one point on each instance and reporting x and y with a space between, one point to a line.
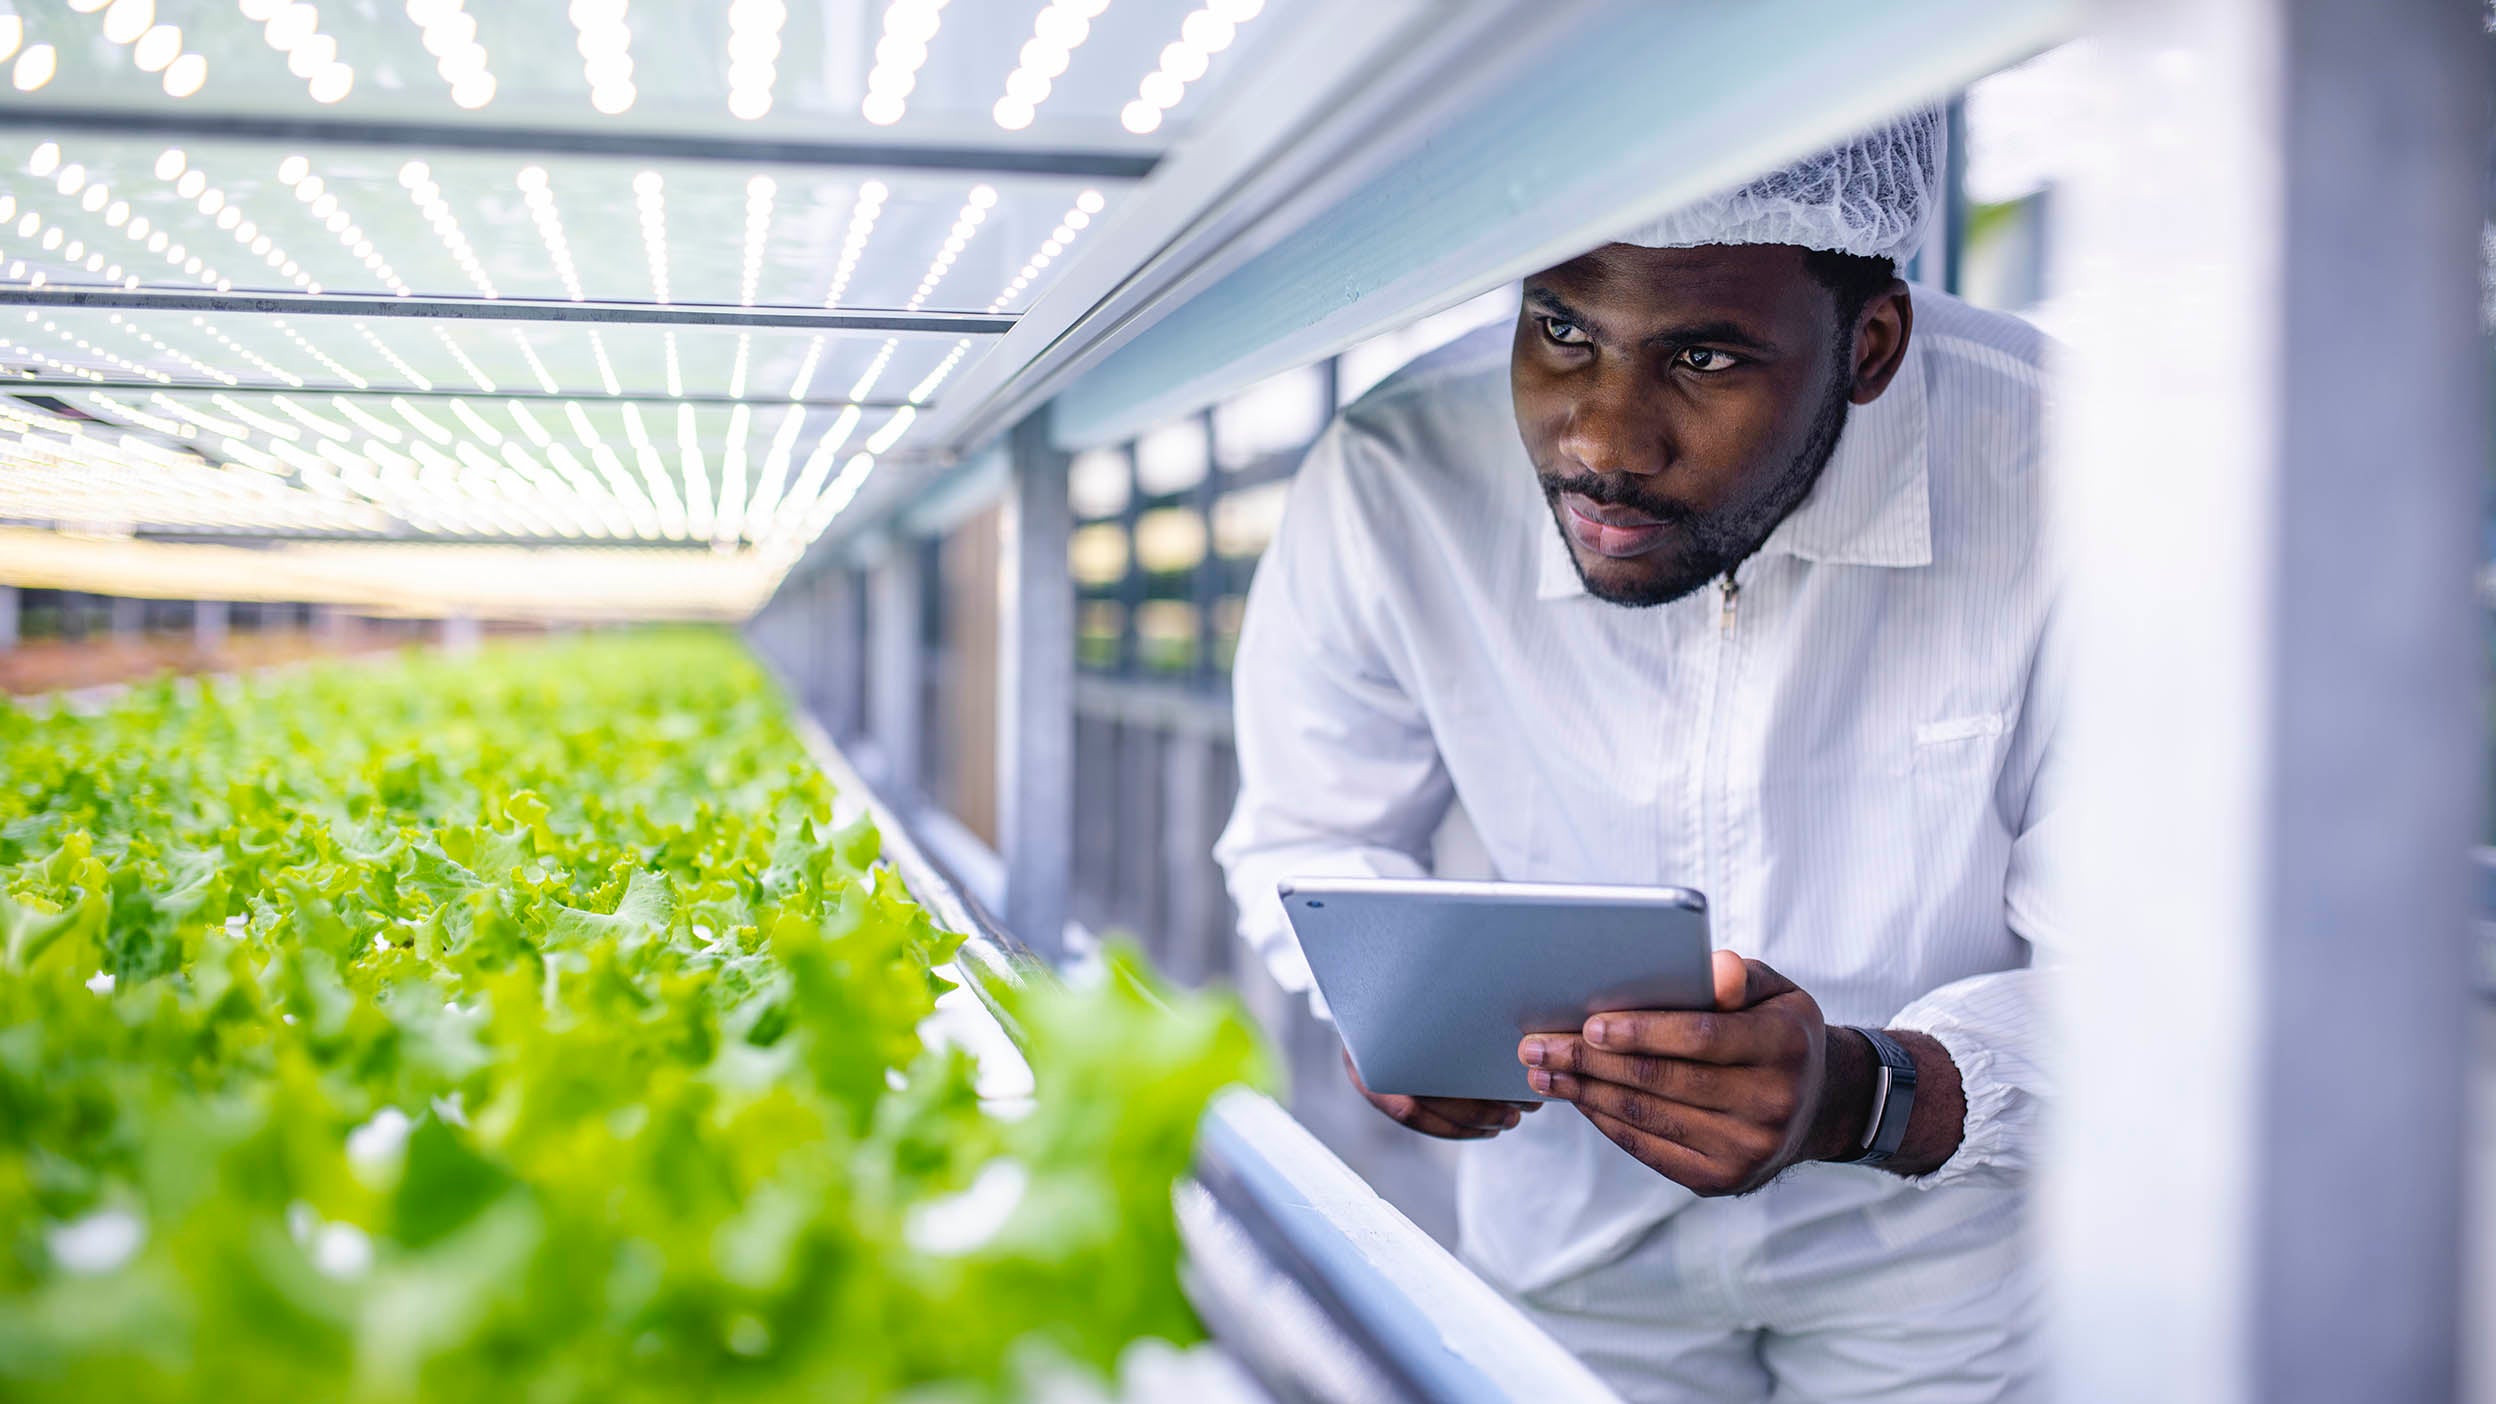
1448 1118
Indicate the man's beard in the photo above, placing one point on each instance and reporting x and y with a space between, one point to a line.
1699 547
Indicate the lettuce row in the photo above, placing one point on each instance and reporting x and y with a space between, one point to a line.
526 1025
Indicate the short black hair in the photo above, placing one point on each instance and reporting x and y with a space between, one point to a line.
1852 279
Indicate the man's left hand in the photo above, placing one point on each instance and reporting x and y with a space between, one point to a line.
1717 1100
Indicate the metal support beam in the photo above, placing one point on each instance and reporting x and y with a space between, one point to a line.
1036 690
8 618
623 144
2277 731
896 672
15 385
129 615
208 622
511 309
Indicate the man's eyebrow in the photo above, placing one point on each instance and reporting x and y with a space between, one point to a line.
1717 333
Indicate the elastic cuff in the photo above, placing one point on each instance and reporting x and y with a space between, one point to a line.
1988 1153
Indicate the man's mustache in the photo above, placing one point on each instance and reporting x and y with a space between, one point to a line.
1613 492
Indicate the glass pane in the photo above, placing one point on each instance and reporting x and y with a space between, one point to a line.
1096 633
1097 483
1165 632
1098 554
1381 356
1171 458
1280 414
1169 541
1244 522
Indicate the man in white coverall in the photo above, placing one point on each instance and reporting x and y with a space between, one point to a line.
1724 570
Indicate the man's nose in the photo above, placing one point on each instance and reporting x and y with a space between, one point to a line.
1615 429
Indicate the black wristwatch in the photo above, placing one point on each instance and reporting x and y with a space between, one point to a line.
1893 1101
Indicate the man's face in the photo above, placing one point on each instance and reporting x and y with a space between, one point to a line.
1677 404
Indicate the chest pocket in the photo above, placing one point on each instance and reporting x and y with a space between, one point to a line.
1957 764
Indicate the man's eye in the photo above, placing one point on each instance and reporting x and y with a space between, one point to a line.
1700 358
1565 333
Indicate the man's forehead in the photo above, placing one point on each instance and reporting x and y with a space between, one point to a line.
1717 280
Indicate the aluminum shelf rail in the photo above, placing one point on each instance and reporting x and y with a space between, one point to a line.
512 309
721 148
1320 1288
13 385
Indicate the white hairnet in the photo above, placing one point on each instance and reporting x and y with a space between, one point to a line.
1872 196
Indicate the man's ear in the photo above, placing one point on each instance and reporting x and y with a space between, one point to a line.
1881 333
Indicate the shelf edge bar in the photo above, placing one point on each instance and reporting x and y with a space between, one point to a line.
386 392
643 146
510 309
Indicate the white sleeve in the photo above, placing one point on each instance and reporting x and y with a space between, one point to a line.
1338 772
1993 1026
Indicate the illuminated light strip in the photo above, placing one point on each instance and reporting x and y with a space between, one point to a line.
451 37
729 522
200 417
366 420
936 377
650 198
154 422
805 377
606 54
30 353
965 228
654 474
899 54
420 422
1058 30
318 354
800 499
192 183
753 55
414 377
697 474
466 366
275 429
183 356
862 216
892 430
675 371
93 350
606 369
545 378
875 368
1202 34
293 29
295 173
758 194
131 24
247 353
46 161
774 479
1078 217
736 372
540 195
417 180
837 497
311 421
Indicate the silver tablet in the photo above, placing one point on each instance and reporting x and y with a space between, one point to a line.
1432 983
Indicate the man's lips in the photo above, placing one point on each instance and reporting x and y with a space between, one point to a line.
1608 530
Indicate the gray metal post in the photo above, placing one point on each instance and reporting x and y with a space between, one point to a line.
208 621
1036 690
129 614
2275 720
8 618
896 666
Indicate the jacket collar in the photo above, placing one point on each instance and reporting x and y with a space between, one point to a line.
1871 507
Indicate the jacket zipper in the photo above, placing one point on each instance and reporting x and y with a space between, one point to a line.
1732 590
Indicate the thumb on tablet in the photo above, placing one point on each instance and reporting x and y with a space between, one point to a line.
1742 983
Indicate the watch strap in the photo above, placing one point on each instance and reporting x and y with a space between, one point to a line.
1893 1100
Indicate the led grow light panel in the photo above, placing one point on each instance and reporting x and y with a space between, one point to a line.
996 69
262 217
